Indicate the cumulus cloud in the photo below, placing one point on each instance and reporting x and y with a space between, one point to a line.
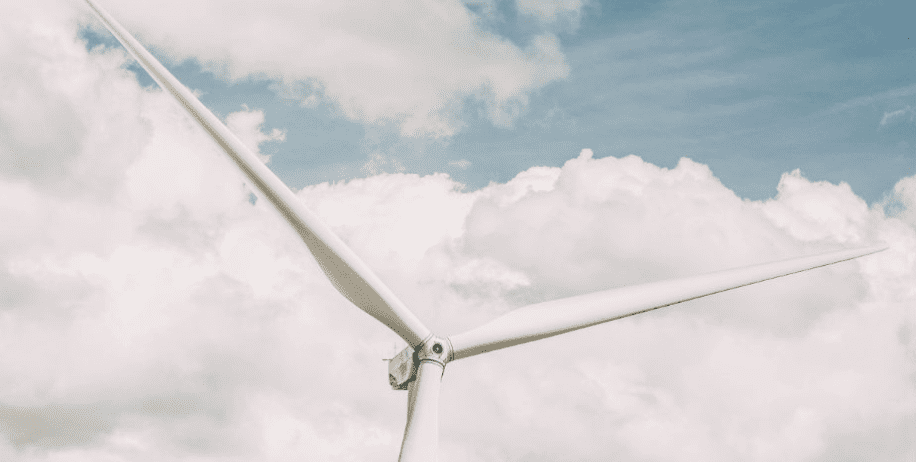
412 63
902 203
150 312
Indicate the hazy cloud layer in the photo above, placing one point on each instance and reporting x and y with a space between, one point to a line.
416 64
149 311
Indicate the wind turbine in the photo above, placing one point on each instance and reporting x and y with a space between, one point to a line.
420 366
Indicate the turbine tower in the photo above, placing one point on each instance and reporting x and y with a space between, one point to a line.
419 367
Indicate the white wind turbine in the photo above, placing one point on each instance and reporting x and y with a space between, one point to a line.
419 367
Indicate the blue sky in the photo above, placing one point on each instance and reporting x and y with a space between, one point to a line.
752 90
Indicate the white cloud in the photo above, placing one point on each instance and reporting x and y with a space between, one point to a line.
380 163
888 116
247 124
889 95
903 201
149 312
463 164
413 63
814 212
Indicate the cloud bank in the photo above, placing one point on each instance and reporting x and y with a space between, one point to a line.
149 311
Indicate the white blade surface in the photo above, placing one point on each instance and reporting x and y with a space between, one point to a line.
345 270
421 434
555 317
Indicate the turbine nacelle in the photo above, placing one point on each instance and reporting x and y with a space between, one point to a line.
402 369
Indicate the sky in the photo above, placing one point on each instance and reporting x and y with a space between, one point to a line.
479 156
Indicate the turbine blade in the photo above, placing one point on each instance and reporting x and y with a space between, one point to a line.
345 270
421 434
555 317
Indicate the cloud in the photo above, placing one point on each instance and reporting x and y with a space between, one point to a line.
412 63
769 372
903 200
149 311
888 116
552 10
895 93
379 163
248 124
463 164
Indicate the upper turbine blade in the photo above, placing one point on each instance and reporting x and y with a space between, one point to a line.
555 317
345 270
